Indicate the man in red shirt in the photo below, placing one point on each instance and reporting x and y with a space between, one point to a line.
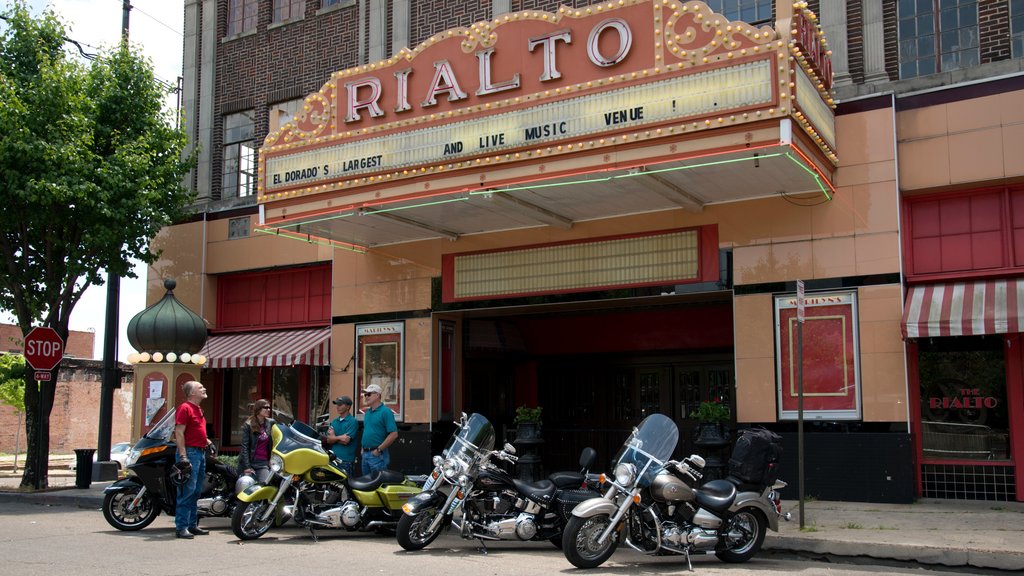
190 436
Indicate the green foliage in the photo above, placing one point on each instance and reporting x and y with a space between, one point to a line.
526 414
231 461
92 166
12 381
712 412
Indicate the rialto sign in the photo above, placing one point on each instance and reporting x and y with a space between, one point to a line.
506 89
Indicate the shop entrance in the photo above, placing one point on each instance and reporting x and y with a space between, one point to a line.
598 373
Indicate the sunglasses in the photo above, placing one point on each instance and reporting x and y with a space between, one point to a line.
264 407
368 393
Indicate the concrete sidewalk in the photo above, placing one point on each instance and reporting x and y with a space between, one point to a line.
983 535
975 534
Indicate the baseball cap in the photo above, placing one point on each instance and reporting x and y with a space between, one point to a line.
373 388
343 400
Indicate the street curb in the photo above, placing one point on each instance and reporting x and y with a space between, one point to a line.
85 499
1000 560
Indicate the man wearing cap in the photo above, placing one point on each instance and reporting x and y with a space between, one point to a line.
341 435
379 431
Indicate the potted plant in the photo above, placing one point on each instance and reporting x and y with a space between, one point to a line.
712 420
527 422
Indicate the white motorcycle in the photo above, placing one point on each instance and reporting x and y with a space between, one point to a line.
657 506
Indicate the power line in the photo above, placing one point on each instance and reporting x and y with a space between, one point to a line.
135 8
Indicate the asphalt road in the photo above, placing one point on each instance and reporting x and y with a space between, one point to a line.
45 540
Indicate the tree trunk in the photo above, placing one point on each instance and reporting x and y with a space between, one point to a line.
38 402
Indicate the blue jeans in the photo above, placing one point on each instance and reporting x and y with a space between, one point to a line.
373 463
186 510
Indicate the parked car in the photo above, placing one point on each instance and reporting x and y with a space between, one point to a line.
118 453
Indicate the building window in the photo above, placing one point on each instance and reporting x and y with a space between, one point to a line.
283 112
327 3
238 228
749 11
239 178
241 16
937 36
288 9
1017 27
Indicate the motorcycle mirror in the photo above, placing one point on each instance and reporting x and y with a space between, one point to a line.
510 448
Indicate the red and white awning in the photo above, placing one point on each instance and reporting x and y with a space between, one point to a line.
308 346
964 308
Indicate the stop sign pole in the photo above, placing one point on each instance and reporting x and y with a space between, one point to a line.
44 349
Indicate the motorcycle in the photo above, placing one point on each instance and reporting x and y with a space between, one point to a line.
310 487
493 505
658 507
132 503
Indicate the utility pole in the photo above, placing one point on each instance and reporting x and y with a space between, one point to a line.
111 373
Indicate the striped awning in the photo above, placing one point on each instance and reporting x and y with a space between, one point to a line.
308 346
964 308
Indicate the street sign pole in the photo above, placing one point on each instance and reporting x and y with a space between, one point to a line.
800 394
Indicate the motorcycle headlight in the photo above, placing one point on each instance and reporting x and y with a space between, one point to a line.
438 461
452 468
133 456
625 474
276 463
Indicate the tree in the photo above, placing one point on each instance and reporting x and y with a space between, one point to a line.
92 168
12 390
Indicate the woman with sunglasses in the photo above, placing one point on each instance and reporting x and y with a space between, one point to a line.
254 458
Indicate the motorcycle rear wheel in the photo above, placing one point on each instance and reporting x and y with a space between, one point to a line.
580 545
115 509
245 520
744 537
412 530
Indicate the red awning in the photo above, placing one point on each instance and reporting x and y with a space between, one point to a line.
308 346
964 308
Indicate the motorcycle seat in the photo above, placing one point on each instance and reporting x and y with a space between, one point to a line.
541 491
373 480
744 486
716 495
567 479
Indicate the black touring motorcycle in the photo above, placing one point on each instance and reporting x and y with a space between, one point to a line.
470 492
134 502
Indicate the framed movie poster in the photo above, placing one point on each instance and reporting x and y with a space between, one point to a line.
831 356
379 355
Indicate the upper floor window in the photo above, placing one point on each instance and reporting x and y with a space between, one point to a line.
288 9
937 36
1017 27
239 177
241 16
326 3
749 11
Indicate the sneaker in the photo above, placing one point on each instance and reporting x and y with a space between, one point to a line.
197 531
184 534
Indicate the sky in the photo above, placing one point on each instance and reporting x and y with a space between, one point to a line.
155 28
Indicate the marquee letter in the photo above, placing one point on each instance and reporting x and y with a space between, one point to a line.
402 89
486 87
354 104
625 42
444 81
548 41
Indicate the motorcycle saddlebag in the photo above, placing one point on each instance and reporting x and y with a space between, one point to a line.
568 499
756 455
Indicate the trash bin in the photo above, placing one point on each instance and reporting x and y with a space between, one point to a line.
83 467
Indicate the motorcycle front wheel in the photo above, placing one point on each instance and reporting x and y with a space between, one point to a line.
413 531
245 520
580 541
118 515
744 536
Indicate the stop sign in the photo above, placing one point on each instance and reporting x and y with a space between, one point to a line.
44 348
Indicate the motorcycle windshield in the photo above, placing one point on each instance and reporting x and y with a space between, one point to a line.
298 435
649 446
474 438
164 429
